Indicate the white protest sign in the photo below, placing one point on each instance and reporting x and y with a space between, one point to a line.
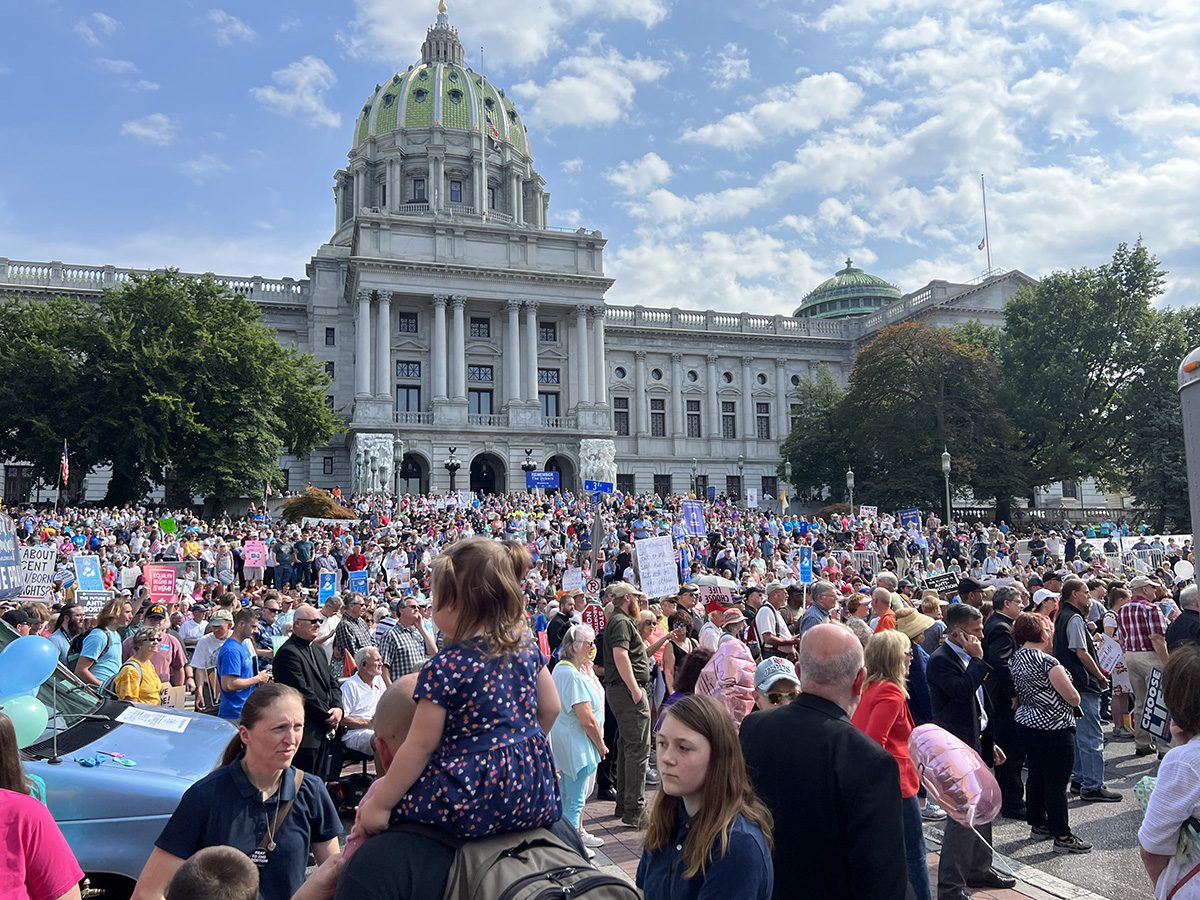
37 572
657 570
1112 661
867 512
752 498
710 593
573 580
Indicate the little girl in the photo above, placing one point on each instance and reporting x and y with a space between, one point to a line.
476 760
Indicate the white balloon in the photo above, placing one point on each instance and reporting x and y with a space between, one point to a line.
1184 570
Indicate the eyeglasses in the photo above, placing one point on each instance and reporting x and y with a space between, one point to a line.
775 698
309 621
270 609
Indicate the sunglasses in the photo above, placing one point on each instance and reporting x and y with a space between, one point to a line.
299 621
775 698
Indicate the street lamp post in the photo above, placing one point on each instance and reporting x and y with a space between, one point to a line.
850 488
946 476
452 465
741 478
528 465
693 476
787 479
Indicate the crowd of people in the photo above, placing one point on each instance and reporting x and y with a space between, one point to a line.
501 664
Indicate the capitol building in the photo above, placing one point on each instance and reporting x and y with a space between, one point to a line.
457 326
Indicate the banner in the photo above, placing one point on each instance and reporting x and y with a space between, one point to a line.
37 572
868 512
1155 718
10 563
805 559
752 498
326 586
162 583
358 582
657 572
693 517
254 554
87 572
909 518
537 479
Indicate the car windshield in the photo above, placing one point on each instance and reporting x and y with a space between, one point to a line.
71 698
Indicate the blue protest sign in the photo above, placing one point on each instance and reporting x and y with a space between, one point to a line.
712 492
805 559
599 487
684 553
909 518
87 570
326 586
10 561
693 517
358 582
537 479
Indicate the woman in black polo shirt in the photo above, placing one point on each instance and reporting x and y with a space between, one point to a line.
256 801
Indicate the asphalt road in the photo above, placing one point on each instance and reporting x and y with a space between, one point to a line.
1112 869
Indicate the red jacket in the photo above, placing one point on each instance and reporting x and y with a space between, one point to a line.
883 716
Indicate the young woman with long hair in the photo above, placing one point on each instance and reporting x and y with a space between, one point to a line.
708 834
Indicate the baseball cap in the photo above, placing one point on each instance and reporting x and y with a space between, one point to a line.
1041 595
714 606
732 616
1052 575
221 615
771 671
967 586
753 589
15 617
157 610
689 588
775 586
622 589
1140 581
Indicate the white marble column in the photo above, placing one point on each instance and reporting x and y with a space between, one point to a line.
641 403
677 399
783 412
383 346
339 192
748 429
437 353
458 341
362 346
512 352
714 403
599 365
531 351
582 367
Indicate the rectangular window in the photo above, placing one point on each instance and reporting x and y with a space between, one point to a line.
408 399
662 485
762 413
728 419
481 327
1070 490
770 486
548 376
479 403
481 373
549 403
330 337
658 418
418 190
456 192
329 369
329 400
408 369
491 198
733 487
627 484
548 332
793 415
701 486
383 195
407 323
327 465
693 419
621 415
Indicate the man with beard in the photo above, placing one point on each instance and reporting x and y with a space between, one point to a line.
626 674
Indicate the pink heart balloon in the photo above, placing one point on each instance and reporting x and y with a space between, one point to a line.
955 776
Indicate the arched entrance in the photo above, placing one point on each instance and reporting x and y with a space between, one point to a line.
414 474
566 471
487 474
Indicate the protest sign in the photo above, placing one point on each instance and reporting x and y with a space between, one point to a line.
711 593
1112 661
909 518
1155 718
161 580
752 498
87 572
358 582
10 563
538 479
254 554
657 572
92 601
946 583
868 512
693 517
326 586
37 571
573 579
805 559
593 615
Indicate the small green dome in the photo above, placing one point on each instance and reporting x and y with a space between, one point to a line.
851 292
441 91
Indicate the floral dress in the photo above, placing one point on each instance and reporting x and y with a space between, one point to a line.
493 771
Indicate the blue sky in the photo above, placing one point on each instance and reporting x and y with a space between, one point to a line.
732 153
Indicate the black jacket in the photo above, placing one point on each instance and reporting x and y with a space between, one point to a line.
998 648
835 797
1080 676
302 665
955 707
557 629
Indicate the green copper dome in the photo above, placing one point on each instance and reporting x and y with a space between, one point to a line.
440 91
851 292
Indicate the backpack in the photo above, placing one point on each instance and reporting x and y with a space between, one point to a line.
75 648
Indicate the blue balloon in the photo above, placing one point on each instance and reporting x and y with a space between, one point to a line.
26 663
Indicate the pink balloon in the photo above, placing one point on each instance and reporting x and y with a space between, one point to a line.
955 776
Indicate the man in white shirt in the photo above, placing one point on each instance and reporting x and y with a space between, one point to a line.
775 638
204 659
193 629
360 695
330 619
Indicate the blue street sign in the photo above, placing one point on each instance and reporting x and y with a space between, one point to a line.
599 487
537 479
805 564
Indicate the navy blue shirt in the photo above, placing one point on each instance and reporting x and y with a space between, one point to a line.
223 807
745 871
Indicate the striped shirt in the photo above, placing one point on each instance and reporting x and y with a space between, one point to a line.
1137 620
1039 706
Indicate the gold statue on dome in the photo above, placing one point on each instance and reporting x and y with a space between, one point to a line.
442 8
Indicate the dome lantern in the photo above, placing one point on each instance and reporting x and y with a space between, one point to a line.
851 292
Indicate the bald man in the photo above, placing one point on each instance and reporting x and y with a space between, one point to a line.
857 848
404 864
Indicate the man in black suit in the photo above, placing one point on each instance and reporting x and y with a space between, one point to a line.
807 756
303 665
957 672
998 648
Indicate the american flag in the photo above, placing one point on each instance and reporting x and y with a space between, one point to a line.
64 464
492 126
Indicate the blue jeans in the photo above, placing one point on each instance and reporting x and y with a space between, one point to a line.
574 794
1089 744
914 848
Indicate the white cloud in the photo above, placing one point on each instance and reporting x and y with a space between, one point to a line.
641 175
516 33
156 128
95 28
803 106
731 65
203 167
143 85
229 29
299 90
117 66
571 166
590 88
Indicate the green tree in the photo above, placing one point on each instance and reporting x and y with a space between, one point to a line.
815 447
165 372
1073 352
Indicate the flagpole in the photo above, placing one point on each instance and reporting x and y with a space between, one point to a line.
58 502
483 187
987 242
